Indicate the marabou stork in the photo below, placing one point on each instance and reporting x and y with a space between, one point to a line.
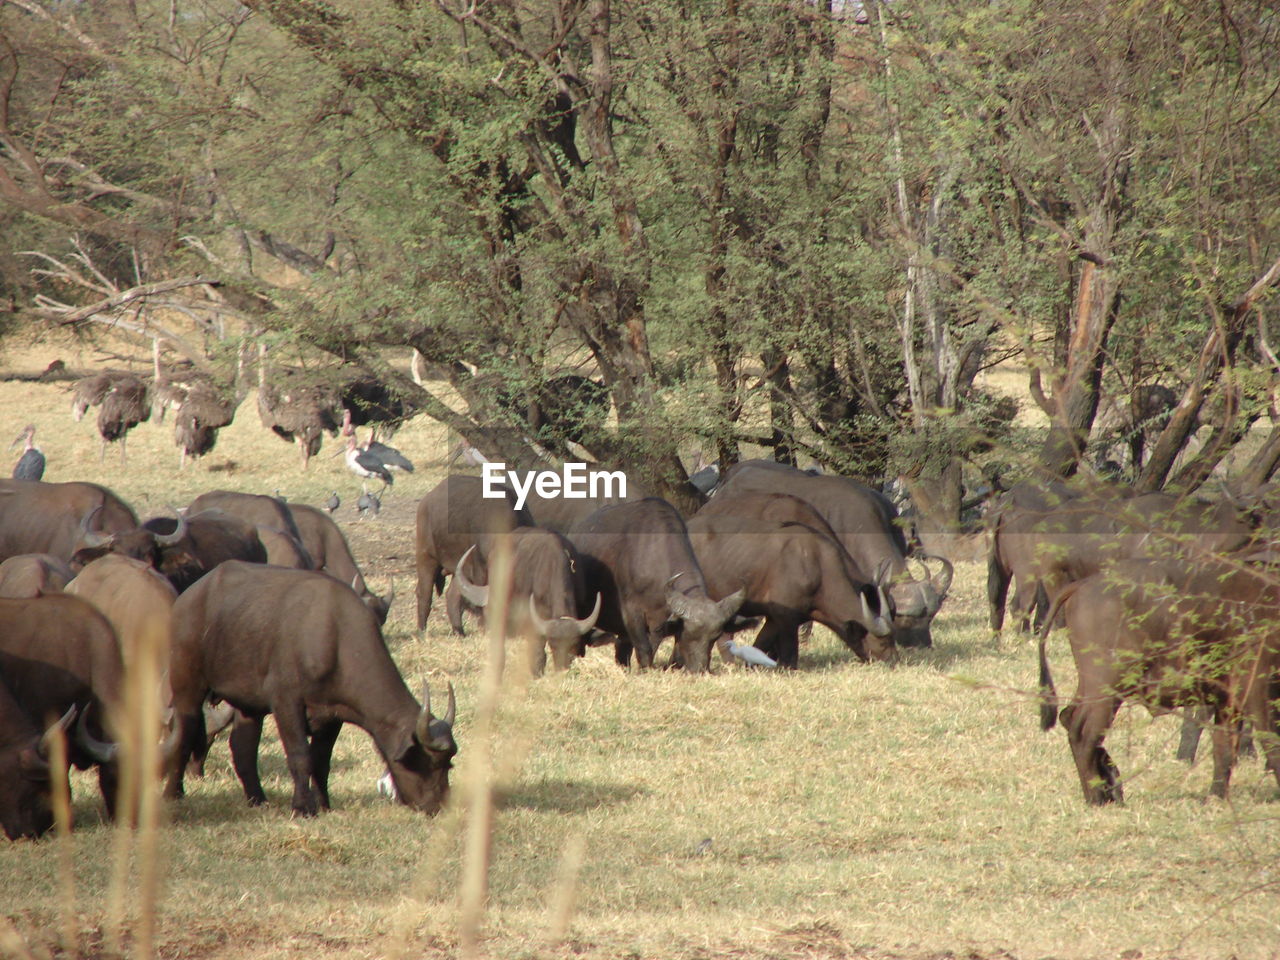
367 466
390 457
30 465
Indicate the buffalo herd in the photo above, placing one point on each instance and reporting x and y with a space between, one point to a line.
261 609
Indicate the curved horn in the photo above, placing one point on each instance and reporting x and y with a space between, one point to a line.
585 626
391 594
93 538
99 750
540 626
478 596
451 711
943 584
180 531
63 724
730 604
422 730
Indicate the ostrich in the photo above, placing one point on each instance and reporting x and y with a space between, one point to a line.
30 465
200 415
295 410
123 402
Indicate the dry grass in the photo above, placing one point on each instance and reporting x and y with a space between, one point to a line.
851 810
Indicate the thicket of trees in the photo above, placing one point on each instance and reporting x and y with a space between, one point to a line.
760 222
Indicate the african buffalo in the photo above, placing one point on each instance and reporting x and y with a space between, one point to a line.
451 518
330 554
792 573
259 510
37 517
183 549
33 575
138 603
864 522
56 653
1047 539
303 647
547 594
1167 633
638 556
26 780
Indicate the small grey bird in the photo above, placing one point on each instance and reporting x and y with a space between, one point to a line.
333 503
368 505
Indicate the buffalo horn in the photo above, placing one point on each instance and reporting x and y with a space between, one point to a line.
943 583
422 732
391 594
584 626
451 711
99 750
477 596
730 604
92 538
63 724
540 626
180 531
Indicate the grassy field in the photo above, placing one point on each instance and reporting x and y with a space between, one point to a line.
843 810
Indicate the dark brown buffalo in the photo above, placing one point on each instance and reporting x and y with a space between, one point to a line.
562 514
865 524
793 573
51 518
304 648
58 653
1047 539
638 556
33 575
183 549
259 510
330 554
26 780
1168 633
284 549
452 518
547 599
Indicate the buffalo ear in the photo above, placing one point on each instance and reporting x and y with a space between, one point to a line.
402 748
32 765
670 628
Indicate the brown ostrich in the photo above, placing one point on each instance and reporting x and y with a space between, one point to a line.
199 417
367 401
296 407
123 401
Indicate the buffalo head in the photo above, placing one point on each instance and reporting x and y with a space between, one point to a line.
420 768
916 602
25 810
696 622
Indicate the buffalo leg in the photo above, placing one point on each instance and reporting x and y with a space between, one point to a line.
780 640
428 581
191 736
1086 724
1226 742
246 735
997 591
322 740
109 786
453 606
291 723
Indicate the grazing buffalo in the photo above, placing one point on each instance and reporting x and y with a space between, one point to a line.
547 595
26 780
51 518
260 510
330 554
301 646
33 575
137 602
793 573
452 518
638 556
1046 539
1167 633
183 549
58 653
864 523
